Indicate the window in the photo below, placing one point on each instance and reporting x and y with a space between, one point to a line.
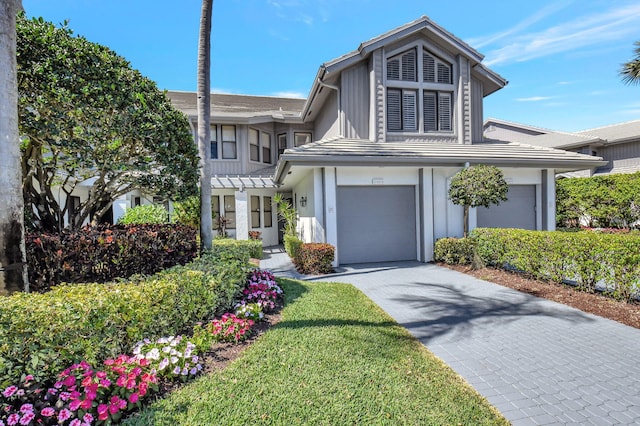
135 201
230 211
214 142
266 209
422 104
229 147
255 211
300 139
259 146
266 148
254 145
215 208
282 143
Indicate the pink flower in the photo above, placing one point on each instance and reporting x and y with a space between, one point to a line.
75 422
122 404
75 404
131 383
69 381
8 392
86 404
26 419
64 414
105 383
88 418
122 381
102 408
47 412
133 398
28 378
26 408
101 374
64 396
144 362
13 419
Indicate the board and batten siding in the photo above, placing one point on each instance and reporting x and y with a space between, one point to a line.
355 101
476 110
624 155
327 124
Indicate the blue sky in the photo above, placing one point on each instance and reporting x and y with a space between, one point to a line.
561 57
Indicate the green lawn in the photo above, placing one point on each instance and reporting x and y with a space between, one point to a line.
334 359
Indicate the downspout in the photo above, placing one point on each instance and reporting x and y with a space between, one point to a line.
337 89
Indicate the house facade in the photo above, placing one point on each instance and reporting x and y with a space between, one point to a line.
618 144
367 158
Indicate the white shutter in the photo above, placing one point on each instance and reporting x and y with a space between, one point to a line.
444 111
394 115
428 68
430 112
444 73
393 69
409 66
409 110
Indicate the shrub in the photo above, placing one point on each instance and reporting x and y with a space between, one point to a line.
43 333
262 289
455 251
315 258
187 211
145 215
291 245
238 248
588 258
229 328
105 252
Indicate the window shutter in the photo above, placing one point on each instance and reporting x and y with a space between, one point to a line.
444 110
428 68
409 66
409 110
430 112
444 73
394 115
393 69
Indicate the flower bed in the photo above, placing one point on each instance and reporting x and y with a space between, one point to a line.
82 395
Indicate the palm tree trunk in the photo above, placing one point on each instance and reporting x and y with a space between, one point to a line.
13 270
204 124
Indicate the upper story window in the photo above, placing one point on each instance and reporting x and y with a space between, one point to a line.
259 146
228 150
282 143
420 93
301 138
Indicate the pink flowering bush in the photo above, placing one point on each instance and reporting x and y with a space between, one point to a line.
229 328
262 289
171 357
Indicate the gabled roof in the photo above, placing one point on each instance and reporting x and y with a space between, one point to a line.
357 152
239 107
493 81
512 124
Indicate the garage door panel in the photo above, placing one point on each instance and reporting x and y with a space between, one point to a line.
519 211
376 224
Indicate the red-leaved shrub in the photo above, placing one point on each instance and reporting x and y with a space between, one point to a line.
315 258
102 253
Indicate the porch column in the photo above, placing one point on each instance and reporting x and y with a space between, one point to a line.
331 218
242 215
425 188
548 200
318 206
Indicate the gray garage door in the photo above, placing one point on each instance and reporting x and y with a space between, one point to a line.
519 211
376 224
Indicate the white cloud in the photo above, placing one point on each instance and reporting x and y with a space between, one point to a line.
534 99
221 91
290 94
583 31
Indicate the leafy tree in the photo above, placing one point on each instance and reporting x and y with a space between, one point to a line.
13 271
187 211
630 71
477 186
204 124
287 213
89 119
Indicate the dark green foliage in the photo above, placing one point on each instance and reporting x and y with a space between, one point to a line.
477 186
291 245
44 333
144 215
86 115
237 248
187 211
315 258
630 71
611 201
586 257
455 251
103 253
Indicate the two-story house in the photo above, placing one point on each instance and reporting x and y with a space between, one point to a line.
368 156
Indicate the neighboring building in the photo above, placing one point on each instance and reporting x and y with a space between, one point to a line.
617 144
367 158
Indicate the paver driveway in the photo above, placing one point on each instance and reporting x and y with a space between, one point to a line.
537 361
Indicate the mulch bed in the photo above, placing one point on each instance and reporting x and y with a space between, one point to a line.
594 303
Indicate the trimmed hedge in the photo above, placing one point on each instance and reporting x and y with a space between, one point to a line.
455 251
44 333
291 245
315 258
105 252
237 248
588 258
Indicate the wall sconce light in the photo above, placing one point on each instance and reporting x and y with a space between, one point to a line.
303 201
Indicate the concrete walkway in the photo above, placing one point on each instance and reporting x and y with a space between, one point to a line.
537 361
